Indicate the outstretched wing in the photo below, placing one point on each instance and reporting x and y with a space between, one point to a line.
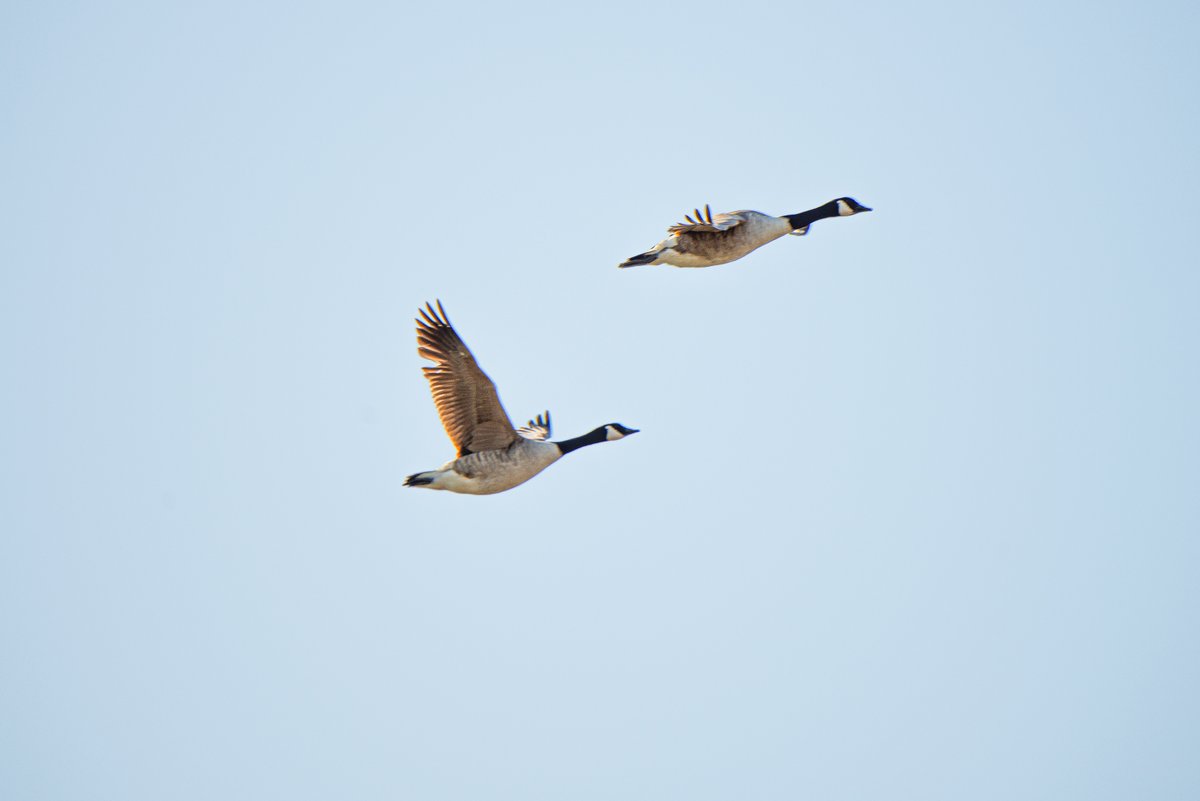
465 397
707 222
538 428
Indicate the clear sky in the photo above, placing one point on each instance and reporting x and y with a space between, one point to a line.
913 513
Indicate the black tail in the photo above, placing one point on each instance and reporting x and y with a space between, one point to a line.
417 480
641 258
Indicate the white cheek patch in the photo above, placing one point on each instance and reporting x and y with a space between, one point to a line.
844 209
611 434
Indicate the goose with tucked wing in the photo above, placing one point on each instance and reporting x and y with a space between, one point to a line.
712 239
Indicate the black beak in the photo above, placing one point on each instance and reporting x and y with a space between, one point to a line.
864 208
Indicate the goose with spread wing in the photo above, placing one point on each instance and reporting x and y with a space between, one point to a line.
712 239
492 455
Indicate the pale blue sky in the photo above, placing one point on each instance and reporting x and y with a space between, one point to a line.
913 513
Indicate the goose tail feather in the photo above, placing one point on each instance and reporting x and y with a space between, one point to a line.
642 258
419 479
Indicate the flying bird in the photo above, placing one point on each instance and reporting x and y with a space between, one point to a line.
492 455
712 239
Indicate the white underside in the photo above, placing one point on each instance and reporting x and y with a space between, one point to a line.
676 259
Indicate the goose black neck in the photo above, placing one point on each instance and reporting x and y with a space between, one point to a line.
809 217
590 438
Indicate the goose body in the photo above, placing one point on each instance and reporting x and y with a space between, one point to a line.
491 471
492 455
711 239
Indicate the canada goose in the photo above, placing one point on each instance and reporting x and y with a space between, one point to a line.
492 455
709 240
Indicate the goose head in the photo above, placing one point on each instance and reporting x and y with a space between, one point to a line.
615 431
847 206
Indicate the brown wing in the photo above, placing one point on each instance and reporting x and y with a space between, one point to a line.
465 397
706 222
